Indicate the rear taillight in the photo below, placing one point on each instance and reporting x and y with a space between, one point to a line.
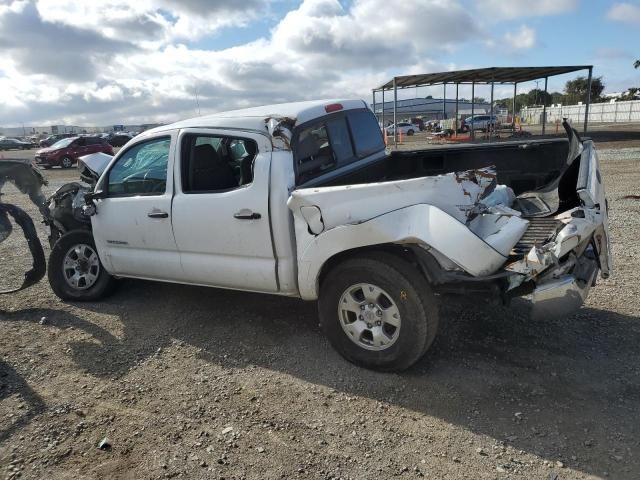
333 107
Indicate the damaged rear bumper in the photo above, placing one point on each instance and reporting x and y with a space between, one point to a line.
562 295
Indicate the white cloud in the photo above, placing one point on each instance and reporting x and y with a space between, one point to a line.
522 39
118 61
625 12
504 9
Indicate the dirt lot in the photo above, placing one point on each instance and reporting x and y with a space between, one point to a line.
607 135
202 383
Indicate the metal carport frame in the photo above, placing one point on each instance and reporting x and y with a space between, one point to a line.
488 76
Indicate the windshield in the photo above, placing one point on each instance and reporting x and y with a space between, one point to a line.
65 142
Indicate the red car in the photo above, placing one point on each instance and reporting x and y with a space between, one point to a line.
65 152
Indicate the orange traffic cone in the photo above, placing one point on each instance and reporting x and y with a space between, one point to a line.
386 140
400 136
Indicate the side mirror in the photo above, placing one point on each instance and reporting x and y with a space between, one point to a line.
89 197
89 208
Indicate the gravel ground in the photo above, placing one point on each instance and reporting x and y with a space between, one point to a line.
201 383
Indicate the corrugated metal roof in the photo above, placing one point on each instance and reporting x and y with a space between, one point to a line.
482 75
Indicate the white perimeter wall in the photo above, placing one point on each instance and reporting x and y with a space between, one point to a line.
618 112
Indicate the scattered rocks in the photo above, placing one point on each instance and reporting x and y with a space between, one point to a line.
104 444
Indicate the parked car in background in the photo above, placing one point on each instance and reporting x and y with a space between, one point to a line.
405 128
65 153
419 122
51 139
119 139
480 122
14 144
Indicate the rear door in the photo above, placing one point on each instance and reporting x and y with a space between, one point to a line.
77 147
93 145
221 210
132 226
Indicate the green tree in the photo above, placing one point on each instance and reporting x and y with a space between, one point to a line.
529 99
557 97
538 97
576 90
632 93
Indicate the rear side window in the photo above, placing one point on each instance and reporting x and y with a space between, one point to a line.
367 137
211 163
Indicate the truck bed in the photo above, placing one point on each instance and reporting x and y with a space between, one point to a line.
522 165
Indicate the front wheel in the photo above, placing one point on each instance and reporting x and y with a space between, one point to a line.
75 270
378 312
410 132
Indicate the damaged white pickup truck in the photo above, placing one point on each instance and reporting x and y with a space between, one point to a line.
303 200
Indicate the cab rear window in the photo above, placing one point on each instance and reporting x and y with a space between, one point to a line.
335 141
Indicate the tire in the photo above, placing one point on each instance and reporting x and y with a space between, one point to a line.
410 132
101 283
66 162
409 293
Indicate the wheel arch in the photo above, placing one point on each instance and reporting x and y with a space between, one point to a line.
413 255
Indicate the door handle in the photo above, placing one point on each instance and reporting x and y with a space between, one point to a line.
157 214
246 214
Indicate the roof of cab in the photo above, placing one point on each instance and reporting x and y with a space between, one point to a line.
256 118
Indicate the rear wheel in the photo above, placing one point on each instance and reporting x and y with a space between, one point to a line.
410 132
66 162
75 270
378 312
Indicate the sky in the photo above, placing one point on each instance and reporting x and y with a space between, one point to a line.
108 62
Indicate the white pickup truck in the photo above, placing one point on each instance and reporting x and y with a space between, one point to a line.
302 200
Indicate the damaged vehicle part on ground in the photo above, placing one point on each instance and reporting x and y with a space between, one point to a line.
303 200
29 181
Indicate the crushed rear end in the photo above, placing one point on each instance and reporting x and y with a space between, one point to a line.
469 233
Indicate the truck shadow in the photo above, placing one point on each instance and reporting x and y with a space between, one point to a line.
556 389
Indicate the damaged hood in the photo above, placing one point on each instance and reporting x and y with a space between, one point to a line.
91 166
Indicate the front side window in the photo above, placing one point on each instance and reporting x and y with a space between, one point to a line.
142 170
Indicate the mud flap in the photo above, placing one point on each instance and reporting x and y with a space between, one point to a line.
34 275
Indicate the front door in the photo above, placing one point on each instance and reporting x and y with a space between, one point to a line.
221 210
132 226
